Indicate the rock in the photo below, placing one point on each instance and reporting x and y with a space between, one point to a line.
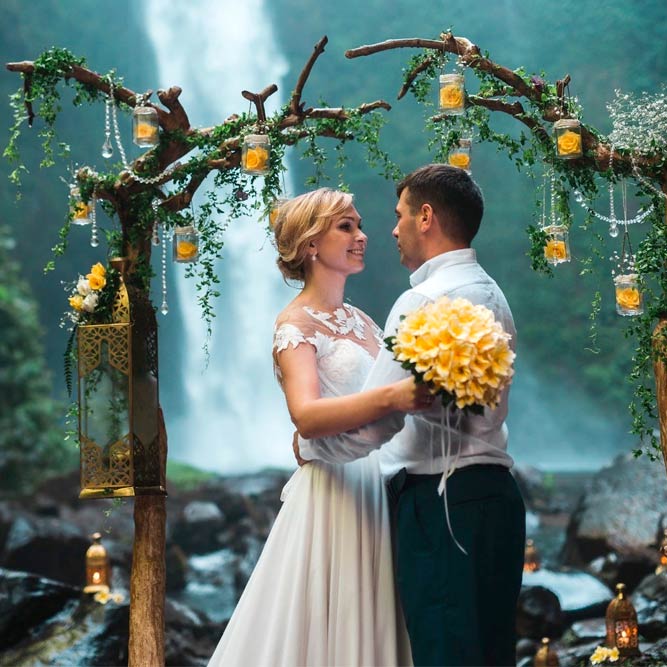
198 528
190 637
585 632
627 566
539 613
619 512
177 568
650 603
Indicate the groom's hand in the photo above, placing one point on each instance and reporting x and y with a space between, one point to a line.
295 449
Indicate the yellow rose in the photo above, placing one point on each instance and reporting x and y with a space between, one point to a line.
555 251
451 97
461 160
145 131
628 297
76 302
96 281
256 158
569 143
98 270
81 210
186 250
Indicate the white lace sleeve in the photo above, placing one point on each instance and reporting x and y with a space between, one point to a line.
285 335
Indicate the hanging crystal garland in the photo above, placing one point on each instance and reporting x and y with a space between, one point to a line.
164 308
624 274
155 239
107 147
94 241
557 246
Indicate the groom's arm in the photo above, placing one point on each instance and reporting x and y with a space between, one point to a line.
359 442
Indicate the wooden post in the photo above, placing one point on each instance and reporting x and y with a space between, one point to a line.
660 370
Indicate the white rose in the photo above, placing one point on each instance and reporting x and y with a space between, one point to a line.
83 286
90 302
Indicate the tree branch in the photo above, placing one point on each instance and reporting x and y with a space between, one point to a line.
295 105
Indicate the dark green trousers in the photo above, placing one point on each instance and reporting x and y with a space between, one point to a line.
461 610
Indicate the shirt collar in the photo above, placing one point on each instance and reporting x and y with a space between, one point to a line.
446 259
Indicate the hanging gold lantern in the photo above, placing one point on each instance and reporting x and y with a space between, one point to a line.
80 210
185 244
557 248
452 95
628 295
98 572
546 656
662 554
118 401
145 126
459 155
568 138
255 154
621 624
531 557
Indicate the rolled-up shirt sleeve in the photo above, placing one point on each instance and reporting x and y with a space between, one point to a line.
359 442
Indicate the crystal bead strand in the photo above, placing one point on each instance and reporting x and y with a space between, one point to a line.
164 308
553 199
116 130
94 242
613 223
107 148
156 223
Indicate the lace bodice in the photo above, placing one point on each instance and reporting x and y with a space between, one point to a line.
345 341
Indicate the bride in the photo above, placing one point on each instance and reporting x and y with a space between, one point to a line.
322 592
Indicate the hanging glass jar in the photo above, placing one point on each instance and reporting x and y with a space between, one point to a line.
81 211
628 295
185 244
568 138
274 211
452 94
557 248
145 127
459 155
255 154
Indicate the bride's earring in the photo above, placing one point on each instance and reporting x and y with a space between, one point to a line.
314 258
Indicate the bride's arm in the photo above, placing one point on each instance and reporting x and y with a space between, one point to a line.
316 417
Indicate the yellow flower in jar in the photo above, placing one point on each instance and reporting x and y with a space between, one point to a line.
76 302
145 131
186 249
569 143
81 210
256 158
98 270
451 96
628 297
459 159
96 281
555 251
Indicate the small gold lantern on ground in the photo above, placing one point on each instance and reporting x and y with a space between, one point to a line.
557 247
662 554
81 211
568 138
621 624
145 126
546 656
459 155
255 154
628 295
118 400
531 557
452 94
185 244
98 571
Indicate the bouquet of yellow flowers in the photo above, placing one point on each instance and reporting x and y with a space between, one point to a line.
458 349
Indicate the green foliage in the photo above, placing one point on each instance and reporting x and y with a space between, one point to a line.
31 441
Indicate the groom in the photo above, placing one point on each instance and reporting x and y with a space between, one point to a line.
459 563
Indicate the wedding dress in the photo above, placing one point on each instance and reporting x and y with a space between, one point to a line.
322 592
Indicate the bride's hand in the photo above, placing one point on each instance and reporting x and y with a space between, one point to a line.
410 396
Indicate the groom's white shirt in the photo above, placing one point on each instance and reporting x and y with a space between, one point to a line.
414 441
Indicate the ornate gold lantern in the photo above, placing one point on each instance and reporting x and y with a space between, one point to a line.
662 554
459 155
255 154
81 211
568 138
531 557
546 656
145 126
452 95
118 400
621 623
557 248
628 295
98 572
185 244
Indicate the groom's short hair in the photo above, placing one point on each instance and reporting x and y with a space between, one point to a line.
455 198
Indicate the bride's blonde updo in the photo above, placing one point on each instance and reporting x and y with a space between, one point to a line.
302 219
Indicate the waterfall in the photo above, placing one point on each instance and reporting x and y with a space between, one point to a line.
231 415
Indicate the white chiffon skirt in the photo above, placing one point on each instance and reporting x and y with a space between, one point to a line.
322 593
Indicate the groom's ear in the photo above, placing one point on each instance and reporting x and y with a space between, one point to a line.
425 218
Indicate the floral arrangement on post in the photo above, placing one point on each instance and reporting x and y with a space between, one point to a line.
86 296
458 349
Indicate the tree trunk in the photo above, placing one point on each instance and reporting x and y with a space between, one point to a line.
148 580
660 370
